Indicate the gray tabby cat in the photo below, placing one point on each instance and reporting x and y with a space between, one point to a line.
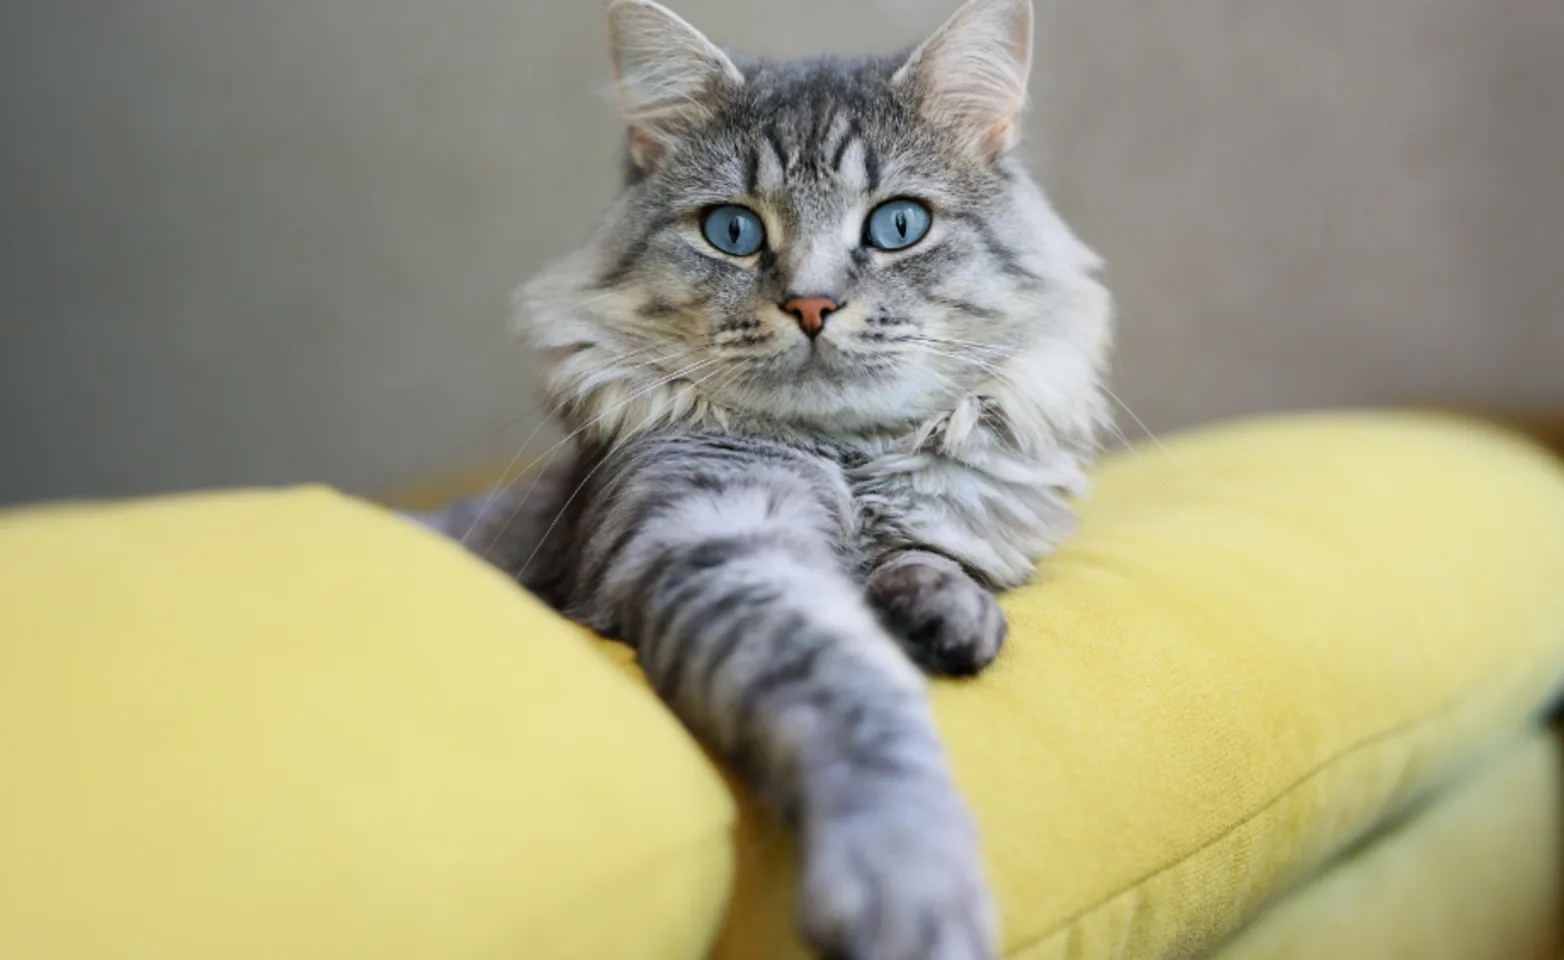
831 366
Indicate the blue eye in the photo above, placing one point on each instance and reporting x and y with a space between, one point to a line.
734 230
897 224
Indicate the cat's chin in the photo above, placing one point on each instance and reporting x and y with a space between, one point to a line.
825 362
831 402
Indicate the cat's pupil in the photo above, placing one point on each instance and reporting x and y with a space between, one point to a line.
901 222
734 231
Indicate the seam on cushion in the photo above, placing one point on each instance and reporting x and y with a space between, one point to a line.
1388 831
1119 949
1358 746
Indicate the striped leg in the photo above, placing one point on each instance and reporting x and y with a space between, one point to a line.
727 579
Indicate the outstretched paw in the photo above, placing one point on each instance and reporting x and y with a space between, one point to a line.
897 880
945 620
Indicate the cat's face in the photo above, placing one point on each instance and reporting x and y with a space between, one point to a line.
838 244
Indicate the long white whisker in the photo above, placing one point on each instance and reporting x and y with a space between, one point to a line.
607 455
1124 439
1001 352
984 365
1004 376
542 462
549 454
447 453
502 482
1138 421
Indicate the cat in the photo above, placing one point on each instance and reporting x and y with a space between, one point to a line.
832 369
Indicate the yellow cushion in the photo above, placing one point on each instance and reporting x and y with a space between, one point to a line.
268 725
263 725
1475 876
1263 643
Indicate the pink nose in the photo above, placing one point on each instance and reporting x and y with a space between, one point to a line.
811 313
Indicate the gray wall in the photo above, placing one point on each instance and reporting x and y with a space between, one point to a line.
246 242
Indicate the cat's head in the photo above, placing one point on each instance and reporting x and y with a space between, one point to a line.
826 245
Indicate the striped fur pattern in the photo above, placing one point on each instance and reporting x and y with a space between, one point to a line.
783 524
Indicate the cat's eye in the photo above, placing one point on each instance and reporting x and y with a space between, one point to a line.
897 224
734 230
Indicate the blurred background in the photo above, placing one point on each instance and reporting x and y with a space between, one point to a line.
247 242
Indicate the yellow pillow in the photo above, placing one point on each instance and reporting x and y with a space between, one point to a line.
1263 643
1475 873
267 725
288 725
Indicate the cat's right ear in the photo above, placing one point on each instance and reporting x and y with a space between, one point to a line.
669 76
971 75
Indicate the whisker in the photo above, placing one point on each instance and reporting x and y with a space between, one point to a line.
1120 435
987 367
501 482
548 455
607 455
992 347
999 353
1004 375
447 453
1138 421
521 572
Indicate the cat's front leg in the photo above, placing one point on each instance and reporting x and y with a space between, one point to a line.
945 620
717 560
774 659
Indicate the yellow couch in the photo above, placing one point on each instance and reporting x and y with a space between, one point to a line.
1283 697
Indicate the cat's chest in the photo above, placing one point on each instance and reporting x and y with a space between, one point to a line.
997 514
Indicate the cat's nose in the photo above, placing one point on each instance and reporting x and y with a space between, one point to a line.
811 313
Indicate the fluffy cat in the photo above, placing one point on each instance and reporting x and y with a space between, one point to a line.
831 368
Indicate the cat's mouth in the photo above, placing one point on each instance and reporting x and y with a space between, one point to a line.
823 358
839 364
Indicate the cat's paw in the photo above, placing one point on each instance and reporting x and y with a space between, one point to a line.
945 620
897 881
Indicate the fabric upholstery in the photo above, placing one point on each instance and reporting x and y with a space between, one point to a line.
289 724
1263 643
264 725
1475 875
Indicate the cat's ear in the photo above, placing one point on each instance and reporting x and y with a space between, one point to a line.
970 76
669 76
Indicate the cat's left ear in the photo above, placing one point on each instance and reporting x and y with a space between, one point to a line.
970 76
670 76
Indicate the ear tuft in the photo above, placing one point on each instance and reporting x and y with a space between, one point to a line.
670 77
971 74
